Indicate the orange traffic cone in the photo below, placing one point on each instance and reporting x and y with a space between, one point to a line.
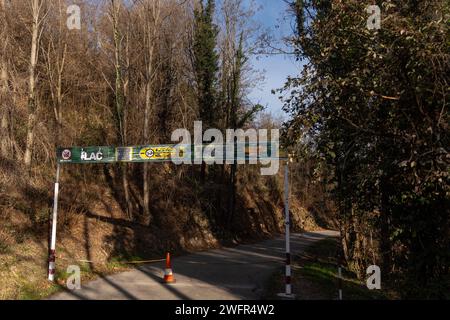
168 275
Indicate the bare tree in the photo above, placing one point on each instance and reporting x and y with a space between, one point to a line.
56 53
237 32
119 93
38 18
151 17
6 138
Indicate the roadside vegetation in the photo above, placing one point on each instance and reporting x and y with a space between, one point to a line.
369 110
315 277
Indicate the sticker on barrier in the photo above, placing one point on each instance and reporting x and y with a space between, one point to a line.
157 153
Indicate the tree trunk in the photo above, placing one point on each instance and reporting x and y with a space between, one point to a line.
32 82
59 96
146 188
151 24
119 99
4 128
4 125
232 196
126 190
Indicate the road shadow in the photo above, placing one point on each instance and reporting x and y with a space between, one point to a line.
240 272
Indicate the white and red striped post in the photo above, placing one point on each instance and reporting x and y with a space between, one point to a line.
288 291
52 252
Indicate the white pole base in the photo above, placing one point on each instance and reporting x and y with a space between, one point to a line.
287 296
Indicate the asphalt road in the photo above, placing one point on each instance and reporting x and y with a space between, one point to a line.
226 274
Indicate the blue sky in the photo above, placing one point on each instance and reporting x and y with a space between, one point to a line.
277 67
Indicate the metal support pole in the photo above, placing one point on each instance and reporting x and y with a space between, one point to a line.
287 223
52 253
288 291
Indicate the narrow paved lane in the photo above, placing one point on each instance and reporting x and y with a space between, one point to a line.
228 273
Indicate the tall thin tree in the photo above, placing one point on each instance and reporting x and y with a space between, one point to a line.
119 98
38 18
4 108
151 17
